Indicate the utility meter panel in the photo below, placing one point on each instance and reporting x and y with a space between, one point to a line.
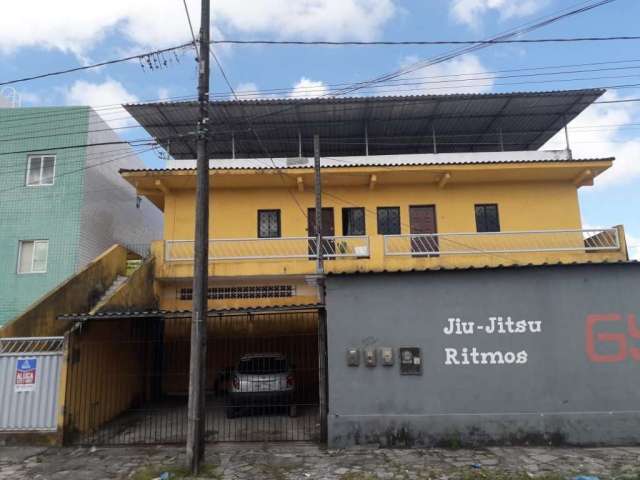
387 356
370 357
353 357
410 361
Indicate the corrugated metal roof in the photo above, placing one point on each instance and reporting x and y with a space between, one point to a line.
394 124
379 161
187 313
636 263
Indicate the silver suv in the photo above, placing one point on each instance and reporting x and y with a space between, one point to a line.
264 381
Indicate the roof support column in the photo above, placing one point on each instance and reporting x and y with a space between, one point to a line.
501 138
433 137
299 144
366 140
566 138
233 145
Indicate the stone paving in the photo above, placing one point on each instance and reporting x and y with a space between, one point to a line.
303 461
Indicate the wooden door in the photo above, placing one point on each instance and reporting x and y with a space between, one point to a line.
422 220
328 230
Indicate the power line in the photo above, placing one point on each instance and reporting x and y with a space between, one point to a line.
445 79
46 114
505 38
423 42
138 56
260 142
521 30
193 35
517 31
83 168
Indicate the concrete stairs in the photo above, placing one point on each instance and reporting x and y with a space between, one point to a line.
120 279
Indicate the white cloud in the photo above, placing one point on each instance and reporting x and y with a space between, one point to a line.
306 88
77 26
109 94
247 90
453 76
633 245
598 133
470 11
163 94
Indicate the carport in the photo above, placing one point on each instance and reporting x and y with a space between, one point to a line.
127 376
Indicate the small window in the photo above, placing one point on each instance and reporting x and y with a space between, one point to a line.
40 170
32 256
268 223
389 221
487 219
353 221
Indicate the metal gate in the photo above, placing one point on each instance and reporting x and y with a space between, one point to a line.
128 379
29 383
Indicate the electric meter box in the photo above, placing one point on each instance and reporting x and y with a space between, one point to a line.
410 361
370 357
386 353
353 357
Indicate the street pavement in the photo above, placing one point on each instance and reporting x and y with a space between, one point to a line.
305 461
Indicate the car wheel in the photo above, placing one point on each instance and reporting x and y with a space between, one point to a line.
293 410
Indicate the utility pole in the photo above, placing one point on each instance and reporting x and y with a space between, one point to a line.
197 361
318 191
322 314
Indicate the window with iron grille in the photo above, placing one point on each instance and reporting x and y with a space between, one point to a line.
268 223
353 221
388 220
250 291
185 294
487 219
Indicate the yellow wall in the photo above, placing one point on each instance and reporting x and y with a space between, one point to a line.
136 294
108 372
529 197
522 206
78 294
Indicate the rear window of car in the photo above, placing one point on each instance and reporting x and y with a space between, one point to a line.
262 365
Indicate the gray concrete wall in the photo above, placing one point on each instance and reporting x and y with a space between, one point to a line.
574 378
109 212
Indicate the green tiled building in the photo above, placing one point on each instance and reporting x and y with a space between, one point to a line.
62 201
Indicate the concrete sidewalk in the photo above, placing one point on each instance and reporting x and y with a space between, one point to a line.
303 461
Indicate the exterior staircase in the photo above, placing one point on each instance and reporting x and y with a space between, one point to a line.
120 279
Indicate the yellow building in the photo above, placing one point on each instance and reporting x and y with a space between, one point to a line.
408 183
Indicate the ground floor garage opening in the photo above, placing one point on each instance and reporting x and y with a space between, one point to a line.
127 378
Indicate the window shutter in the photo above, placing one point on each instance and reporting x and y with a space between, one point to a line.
33 175
26 257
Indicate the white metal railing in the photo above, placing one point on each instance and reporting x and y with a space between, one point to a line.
533 241
30 345
304 248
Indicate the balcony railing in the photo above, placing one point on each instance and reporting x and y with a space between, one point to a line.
534 241
271 248
428 245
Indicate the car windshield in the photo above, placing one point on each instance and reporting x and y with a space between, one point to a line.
262 365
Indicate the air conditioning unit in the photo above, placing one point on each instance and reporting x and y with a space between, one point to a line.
297 162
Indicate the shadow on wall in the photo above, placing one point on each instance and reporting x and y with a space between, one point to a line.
78 294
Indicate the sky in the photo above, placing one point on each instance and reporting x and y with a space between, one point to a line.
68 33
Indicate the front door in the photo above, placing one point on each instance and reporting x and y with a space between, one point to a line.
328 230
422 219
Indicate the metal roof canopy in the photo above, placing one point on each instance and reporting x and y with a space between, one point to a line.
392 124
224 312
